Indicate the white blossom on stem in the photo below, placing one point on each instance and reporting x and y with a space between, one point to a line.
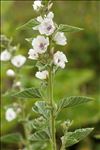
50 15
40 44
10 73
18 110
39 19
17 84
60 59
37 5
10 114
46 25
33 54
42 74
18 61
5 55
60 38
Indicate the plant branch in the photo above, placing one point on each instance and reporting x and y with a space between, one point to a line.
52 118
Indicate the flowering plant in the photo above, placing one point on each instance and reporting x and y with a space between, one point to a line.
41 131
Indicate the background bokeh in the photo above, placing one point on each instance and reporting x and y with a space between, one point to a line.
81 76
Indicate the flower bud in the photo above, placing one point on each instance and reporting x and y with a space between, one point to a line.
10 73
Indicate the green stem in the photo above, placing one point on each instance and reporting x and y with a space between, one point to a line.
62 147
26 132
26 137
52 117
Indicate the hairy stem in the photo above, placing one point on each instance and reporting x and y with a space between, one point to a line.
52 118
26 132
62 147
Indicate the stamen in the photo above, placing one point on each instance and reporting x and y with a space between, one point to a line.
49 28
41 45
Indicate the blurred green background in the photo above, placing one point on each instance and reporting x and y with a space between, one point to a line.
81 76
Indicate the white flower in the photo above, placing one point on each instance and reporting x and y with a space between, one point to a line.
5 55
10 114
18 60
40 44
46 25
50 15
60 59
60 38
10 73
37 5
18 110
42 74
33 54
17 84
39 19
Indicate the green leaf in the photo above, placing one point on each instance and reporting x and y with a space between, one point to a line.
72 101
68 28
12 138
37 124
41 66
71 138
30 24
29 93
42 108
39 136
38 145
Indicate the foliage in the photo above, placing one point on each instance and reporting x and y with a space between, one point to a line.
84 78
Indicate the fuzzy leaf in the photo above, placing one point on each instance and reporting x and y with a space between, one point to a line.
37 146
41 66
68 28
29 93
39 136
37 124
12 138
31 23
41 108
71 138
72 101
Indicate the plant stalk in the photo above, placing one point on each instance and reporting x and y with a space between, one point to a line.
52 117
26 132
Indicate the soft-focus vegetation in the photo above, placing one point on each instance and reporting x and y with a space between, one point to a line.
81 76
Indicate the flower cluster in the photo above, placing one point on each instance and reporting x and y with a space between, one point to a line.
48 34
17 61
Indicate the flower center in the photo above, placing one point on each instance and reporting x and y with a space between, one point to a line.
41 45
49 27
58 60
18 63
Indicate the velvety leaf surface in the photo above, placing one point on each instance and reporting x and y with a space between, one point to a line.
68 28
71 138
29 93
72 101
